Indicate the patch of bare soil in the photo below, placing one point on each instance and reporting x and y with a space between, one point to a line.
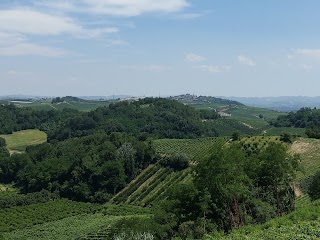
14 152
297 191
299 147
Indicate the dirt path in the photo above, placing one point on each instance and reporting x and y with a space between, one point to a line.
247 125
14 152
297 191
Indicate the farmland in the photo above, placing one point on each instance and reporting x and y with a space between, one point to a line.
18 141
195 149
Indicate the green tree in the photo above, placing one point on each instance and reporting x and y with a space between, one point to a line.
314 187
277 171
223 177
2 142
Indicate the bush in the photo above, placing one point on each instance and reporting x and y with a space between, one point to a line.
2 142
177 162
286 137
314 187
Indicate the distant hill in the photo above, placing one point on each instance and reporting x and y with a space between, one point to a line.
285 104
113 97
195 100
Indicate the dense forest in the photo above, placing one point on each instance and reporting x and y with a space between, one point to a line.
91 168
159 118
307 118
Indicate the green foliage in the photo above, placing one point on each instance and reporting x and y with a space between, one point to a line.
231 190
20 217
2 142
226 127
286 137
81 226
304 118
12 200
162 118
235 136
277 131
176 162
300 224
195 149
88 169
314 187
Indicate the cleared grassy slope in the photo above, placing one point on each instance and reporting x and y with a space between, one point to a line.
304 223
18 141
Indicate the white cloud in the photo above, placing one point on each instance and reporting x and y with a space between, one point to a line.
308 52
126 8
191 57
17 26
25 21
244 60
32 22
213 68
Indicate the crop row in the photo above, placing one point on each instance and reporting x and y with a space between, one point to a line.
178 177
143 194
146 184
195 149
25 216
135 184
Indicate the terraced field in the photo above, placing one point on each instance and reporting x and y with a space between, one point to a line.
152 184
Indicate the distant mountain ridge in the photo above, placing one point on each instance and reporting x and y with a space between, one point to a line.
284 103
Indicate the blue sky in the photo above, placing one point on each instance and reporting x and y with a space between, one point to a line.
167 47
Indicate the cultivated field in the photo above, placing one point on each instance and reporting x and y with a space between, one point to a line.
18 141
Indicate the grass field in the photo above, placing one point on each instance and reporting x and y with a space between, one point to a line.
277 131
18 141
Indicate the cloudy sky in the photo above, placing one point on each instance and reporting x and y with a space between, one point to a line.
153 47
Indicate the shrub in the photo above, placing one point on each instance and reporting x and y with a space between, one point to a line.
177 162
314 187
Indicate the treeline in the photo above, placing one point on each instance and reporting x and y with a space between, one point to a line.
159 118
67 98
150 117
14 200
14 119
91 168
307 118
